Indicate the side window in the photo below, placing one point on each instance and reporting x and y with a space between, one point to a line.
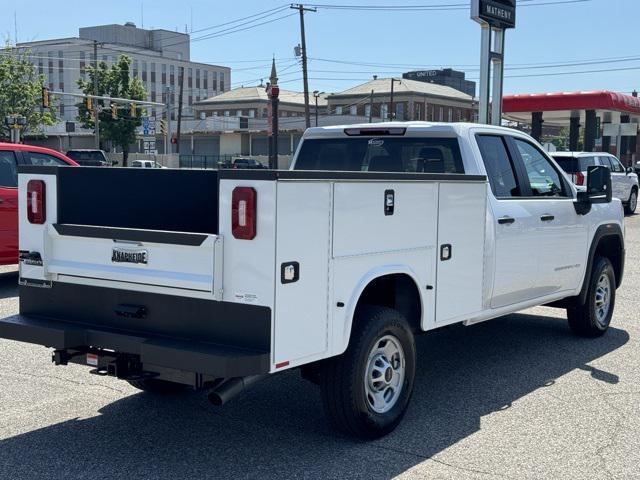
42 159
545 180
616 166
8 169
499 167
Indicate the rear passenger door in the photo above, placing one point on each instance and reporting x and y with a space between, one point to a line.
515 249
8 207
621 183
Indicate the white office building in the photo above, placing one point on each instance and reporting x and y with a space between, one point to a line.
157 56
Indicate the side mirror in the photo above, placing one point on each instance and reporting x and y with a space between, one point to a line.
598 189
629 170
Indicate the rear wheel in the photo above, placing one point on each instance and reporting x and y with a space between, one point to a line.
153 385
593 318
632 204
366 390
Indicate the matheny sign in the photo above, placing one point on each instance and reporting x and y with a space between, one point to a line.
497 13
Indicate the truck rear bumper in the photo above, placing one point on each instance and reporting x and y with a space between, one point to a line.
186 355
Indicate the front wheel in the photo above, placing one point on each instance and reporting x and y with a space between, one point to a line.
632 204
366 390
593 318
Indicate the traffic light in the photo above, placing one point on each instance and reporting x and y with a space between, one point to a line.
132 109
89 104
114 111
45 97
163 127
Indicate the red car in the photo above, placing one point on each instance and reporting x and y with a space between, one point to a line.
12 155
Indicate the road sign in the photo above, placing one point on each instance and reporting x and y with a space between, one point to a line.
497 13
145 125
149 145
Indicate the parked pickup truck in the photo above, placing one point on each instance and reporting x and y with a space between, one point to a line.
377 234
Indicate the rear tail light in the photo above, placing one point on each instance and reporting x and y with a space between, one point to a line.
243 213
36 202
579 178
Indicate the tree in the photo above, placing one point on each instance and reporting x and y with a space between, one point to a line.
114 81
21 92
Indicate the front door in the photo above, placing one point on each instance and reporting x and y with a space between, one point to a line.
8 208
560 233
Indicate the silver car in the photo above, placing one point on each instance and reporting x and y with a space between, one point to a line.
624 181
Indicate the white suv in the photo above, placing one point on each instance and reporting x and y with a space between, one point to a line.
624 181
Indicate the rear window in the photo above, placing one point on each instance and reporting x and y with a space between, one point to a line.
573 165
381 154
75 155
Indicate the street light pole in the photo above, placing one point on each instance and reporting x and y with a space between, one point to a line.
96 111
392 113
316 95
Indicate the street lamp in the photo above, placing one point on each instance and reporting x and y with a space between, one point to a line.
316 95
15 122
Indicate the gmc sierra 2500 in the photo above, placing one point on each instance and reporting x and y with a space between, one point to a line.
215 279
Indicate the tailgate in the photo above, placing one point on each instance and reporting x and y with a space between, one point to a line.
176 260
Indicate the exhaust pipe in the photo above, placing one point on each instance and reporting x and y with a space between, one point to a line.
230 388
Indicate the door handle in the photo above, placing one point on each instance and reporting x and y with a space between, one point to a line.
506 220
547 218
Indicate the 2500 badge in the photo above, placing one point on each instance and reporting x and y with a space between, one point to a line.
120 255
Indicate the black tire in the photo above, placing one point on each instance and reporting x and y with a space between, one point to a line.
342 379
584 320
153 385
630 206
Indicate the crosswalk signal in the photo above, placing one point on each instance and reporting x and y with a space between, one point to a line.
89 104
132 109
163 127
114 111
45 97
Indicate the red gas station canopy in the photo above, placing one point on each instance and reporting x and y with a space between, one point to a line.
548 102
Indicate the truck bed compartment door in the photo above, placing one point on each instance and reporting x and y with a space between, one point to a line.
460 253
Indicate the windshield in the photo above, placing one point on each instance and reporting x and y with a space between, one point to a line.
573 165
381 154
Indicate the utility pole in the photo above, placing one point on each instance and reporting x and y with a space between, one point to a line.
96 110
305 78
371 107
181 80
392 113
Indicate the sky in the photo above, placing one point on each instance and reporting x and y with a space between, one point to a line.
347 47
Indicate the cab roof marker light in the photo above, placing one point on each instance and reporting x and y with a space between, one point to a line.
375 132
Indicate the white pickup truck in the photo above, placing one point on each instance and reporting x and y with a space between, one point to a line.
215 279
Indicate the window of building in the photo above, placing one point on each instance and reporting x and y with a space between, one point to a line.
353 110
144 71
205 80
190 100
214 81
450 116
105 58
197 78
226 113
367 110
384 110
153 72
400 111
252 113
164 74
441 114
222 81
83 64
418 112
172 75
338 109
190 77
40 67
499 168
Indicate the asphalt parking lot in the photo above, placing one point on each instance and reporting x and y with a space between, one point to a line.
517 397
